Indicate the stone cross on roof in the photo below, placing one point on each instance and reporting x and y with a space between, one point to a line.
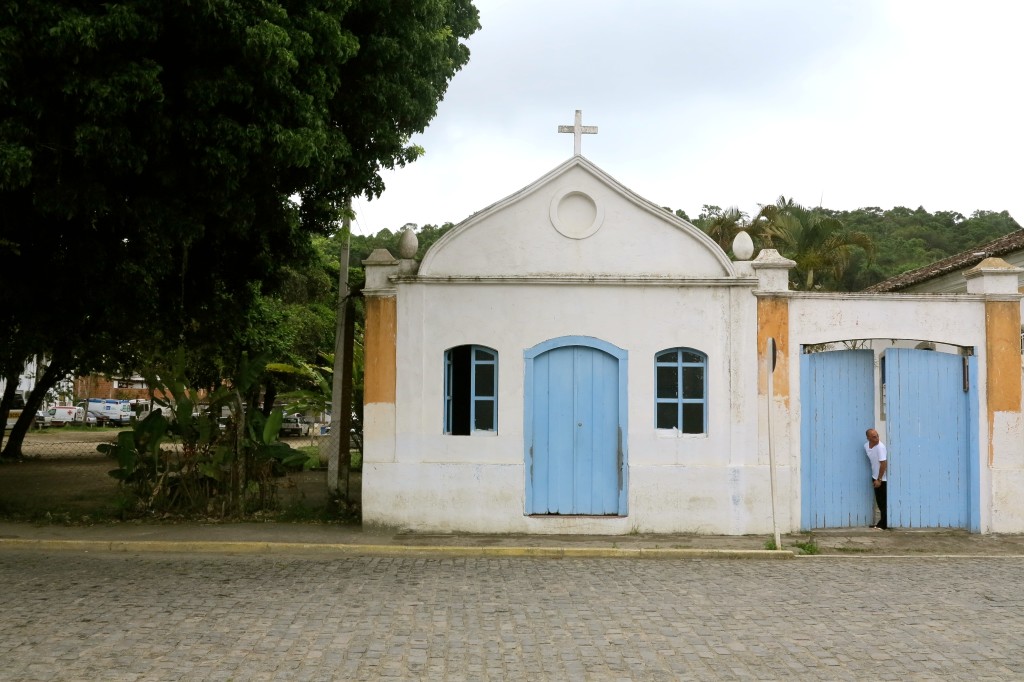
578 130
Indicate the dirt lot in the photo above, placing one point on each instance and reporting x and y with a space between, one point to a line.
62 472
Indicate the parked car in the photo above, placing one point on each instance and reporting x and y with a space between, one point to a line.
294 426
42 419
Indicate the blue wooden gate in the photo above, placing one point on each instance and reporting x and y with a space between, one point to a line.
930 444
837 406
575 428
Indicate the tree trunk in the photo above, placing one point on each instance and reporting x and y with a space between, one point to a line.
269 396
12 450
5 403
345 422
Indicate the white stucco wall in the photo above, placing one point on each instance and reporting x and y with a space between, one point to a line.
516 237
673 477
516 275
606 264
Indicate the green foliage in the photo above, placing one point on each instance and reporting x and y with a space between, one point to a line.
721 225
152 155
851 250
190 465
808 546
908 239
821 245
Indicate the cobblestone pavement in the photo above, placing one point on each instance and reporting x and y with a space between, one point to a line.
81 616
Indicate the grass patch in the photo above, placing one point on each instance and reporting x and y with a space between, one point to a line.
314 451
810 546
769 544
853 550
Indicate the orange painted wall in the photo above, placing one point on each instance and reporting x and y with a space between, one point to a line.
380 354
773 322
1002 346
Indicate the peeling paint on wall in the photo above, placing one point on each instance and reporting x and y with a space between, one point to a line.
381 331
773 322
1002 342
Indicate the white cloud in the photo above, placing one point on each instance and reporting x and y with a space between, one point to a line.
731 103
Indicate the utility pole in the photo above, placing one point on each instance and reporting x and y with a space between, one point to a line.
341 413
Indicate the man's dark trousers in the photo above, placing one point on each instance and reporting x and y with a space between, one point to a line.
881 499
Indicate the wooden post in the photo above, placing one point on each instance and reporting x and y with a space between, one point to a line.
338 438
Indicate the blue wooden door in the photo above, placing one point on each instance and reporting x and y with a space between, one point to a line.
837 407
574 456
929 438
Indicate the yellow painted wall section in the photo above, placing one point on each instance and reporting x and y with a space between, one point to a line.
1002 347
773 322
379 349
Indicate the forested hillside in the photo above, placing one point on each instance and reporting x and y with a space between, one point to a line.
906 239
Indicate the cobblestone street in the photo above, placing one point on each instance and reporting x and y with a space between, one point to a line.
82 616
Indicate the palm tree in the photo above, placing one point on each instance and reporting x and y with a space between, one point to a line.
818 242
721 225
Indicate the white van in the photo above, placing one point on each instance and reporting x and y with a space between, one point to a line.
62 415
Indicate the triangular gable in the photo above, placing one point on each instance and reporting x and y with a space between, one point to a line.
576 221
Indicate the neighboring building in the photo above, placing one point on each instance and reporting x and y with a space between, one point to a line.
575 359
27 382
103 386
947 275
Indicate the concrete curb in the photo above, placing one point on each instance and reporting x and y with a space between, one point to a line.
227 547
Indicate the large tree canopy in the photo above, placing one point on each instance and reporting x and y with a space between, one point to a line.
162 162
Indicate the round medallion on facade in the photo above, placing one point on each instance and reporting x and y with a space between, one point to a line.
576 214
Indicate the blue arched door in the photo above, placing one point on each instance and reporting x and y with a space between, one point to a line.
575 430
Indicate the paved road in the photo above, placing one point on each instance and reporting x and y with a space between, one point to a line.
81 616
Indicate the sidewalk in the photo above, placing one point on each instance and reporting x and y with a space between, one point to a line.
285 538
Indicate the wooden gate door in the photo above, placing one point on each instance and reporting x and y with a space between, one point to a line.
837 406
928 412
575 425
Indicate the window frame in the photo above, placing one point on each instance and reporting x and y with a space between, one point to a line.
680 400
474 364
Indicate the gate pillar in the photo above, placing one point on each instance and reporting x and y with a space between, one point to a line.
997 281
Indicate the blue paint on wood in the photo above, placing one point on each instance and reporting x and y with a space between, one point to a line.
561 443
929 440
575 413
837 406
973 452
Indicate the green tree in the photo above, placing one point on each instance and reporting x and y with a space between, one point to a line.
817 241
906 239
722 225
165 163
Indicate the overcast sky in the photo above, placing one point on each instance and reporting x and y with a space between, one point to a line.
842 103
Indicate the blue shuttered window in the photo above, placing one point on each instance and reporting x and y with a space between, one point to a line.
470 390
681 390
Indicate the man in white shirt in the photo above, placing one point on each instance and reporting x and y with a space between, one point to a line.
875 450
